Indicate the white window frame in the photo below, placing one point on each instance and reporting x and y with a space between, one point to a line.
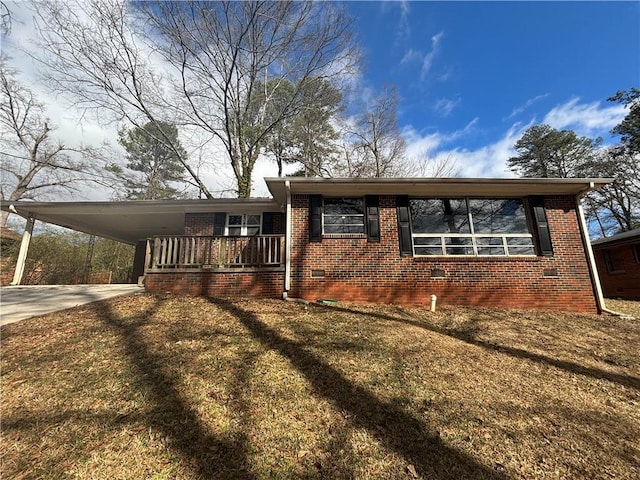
474 246
243 223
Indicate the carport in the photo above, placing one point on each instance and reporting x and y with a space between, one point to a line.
129 222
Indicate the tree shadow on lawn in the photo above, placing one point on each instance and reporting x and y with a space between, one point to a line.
165 410
396 429
208 455
467 335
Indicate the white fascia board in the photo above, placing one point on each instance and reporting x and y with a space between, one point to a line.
449 187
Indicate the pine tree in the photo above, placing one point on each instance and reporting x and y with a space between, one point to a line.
154 167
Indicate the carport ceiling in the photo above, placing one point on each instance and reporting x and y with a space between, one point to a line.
131 221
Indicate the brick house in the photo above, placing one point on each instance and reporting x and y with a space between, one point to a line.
618 261
511 243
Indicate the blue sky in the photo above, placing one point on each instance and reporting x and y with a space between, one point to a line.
471 74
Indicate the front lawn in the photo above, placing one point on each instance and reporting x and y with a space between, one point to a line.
182 388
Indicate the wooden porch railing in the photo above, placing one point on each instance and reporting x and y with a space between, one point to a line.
173 252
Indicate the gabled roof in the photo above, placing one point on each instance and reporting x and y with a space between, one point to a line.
446 187
632 236
131 221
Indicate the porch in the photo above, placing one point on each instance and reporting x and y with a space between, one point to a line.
186 253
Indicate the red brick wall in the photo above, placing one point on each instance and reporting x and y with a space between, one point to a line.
198 224
624 283
356 270
267 284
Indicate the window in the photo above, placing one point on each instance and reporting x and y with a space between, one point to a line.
612 262
636 252
242 225
468 226
343 216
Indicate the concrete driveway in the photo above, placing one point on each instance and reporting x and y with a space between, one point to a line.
21 302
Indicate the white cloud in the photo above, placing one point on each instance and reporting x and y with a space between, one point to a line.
429 58
425 60
419 145
445 106
428 144
585 118
487 161
404 27
490 160
410 56
518 110
404 11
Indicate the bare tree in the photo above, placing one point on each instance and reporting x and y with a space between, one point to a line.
615 207
441 166
224 51
215 55
5 19
92 51
34 164
378 137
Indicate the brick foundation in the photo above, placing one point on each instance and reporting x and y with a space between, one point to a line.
265 284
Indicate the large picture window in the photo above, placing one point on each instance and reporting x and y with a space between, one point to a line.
470 226
343 216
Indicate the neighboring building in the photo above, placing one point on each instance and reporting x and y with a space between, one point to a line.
618 260
510 243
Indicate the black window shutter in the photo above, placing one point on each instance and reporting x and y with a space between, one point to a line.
404 225
219 219
315 218
267 223
541 225
372 203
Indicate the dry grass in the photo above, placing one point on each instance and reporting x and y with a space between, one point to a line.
629 307
173 387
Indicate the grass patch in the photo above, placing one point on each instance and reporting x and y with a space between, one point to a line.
176 387
628 307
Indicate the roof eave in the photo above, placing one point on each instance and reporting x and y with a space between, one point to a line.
509 187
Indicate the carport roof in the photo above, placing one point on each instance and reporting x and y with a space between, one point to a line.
131 221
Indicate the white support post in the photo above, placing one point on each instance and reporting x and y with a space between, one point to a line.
24 248
593 269
287 241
